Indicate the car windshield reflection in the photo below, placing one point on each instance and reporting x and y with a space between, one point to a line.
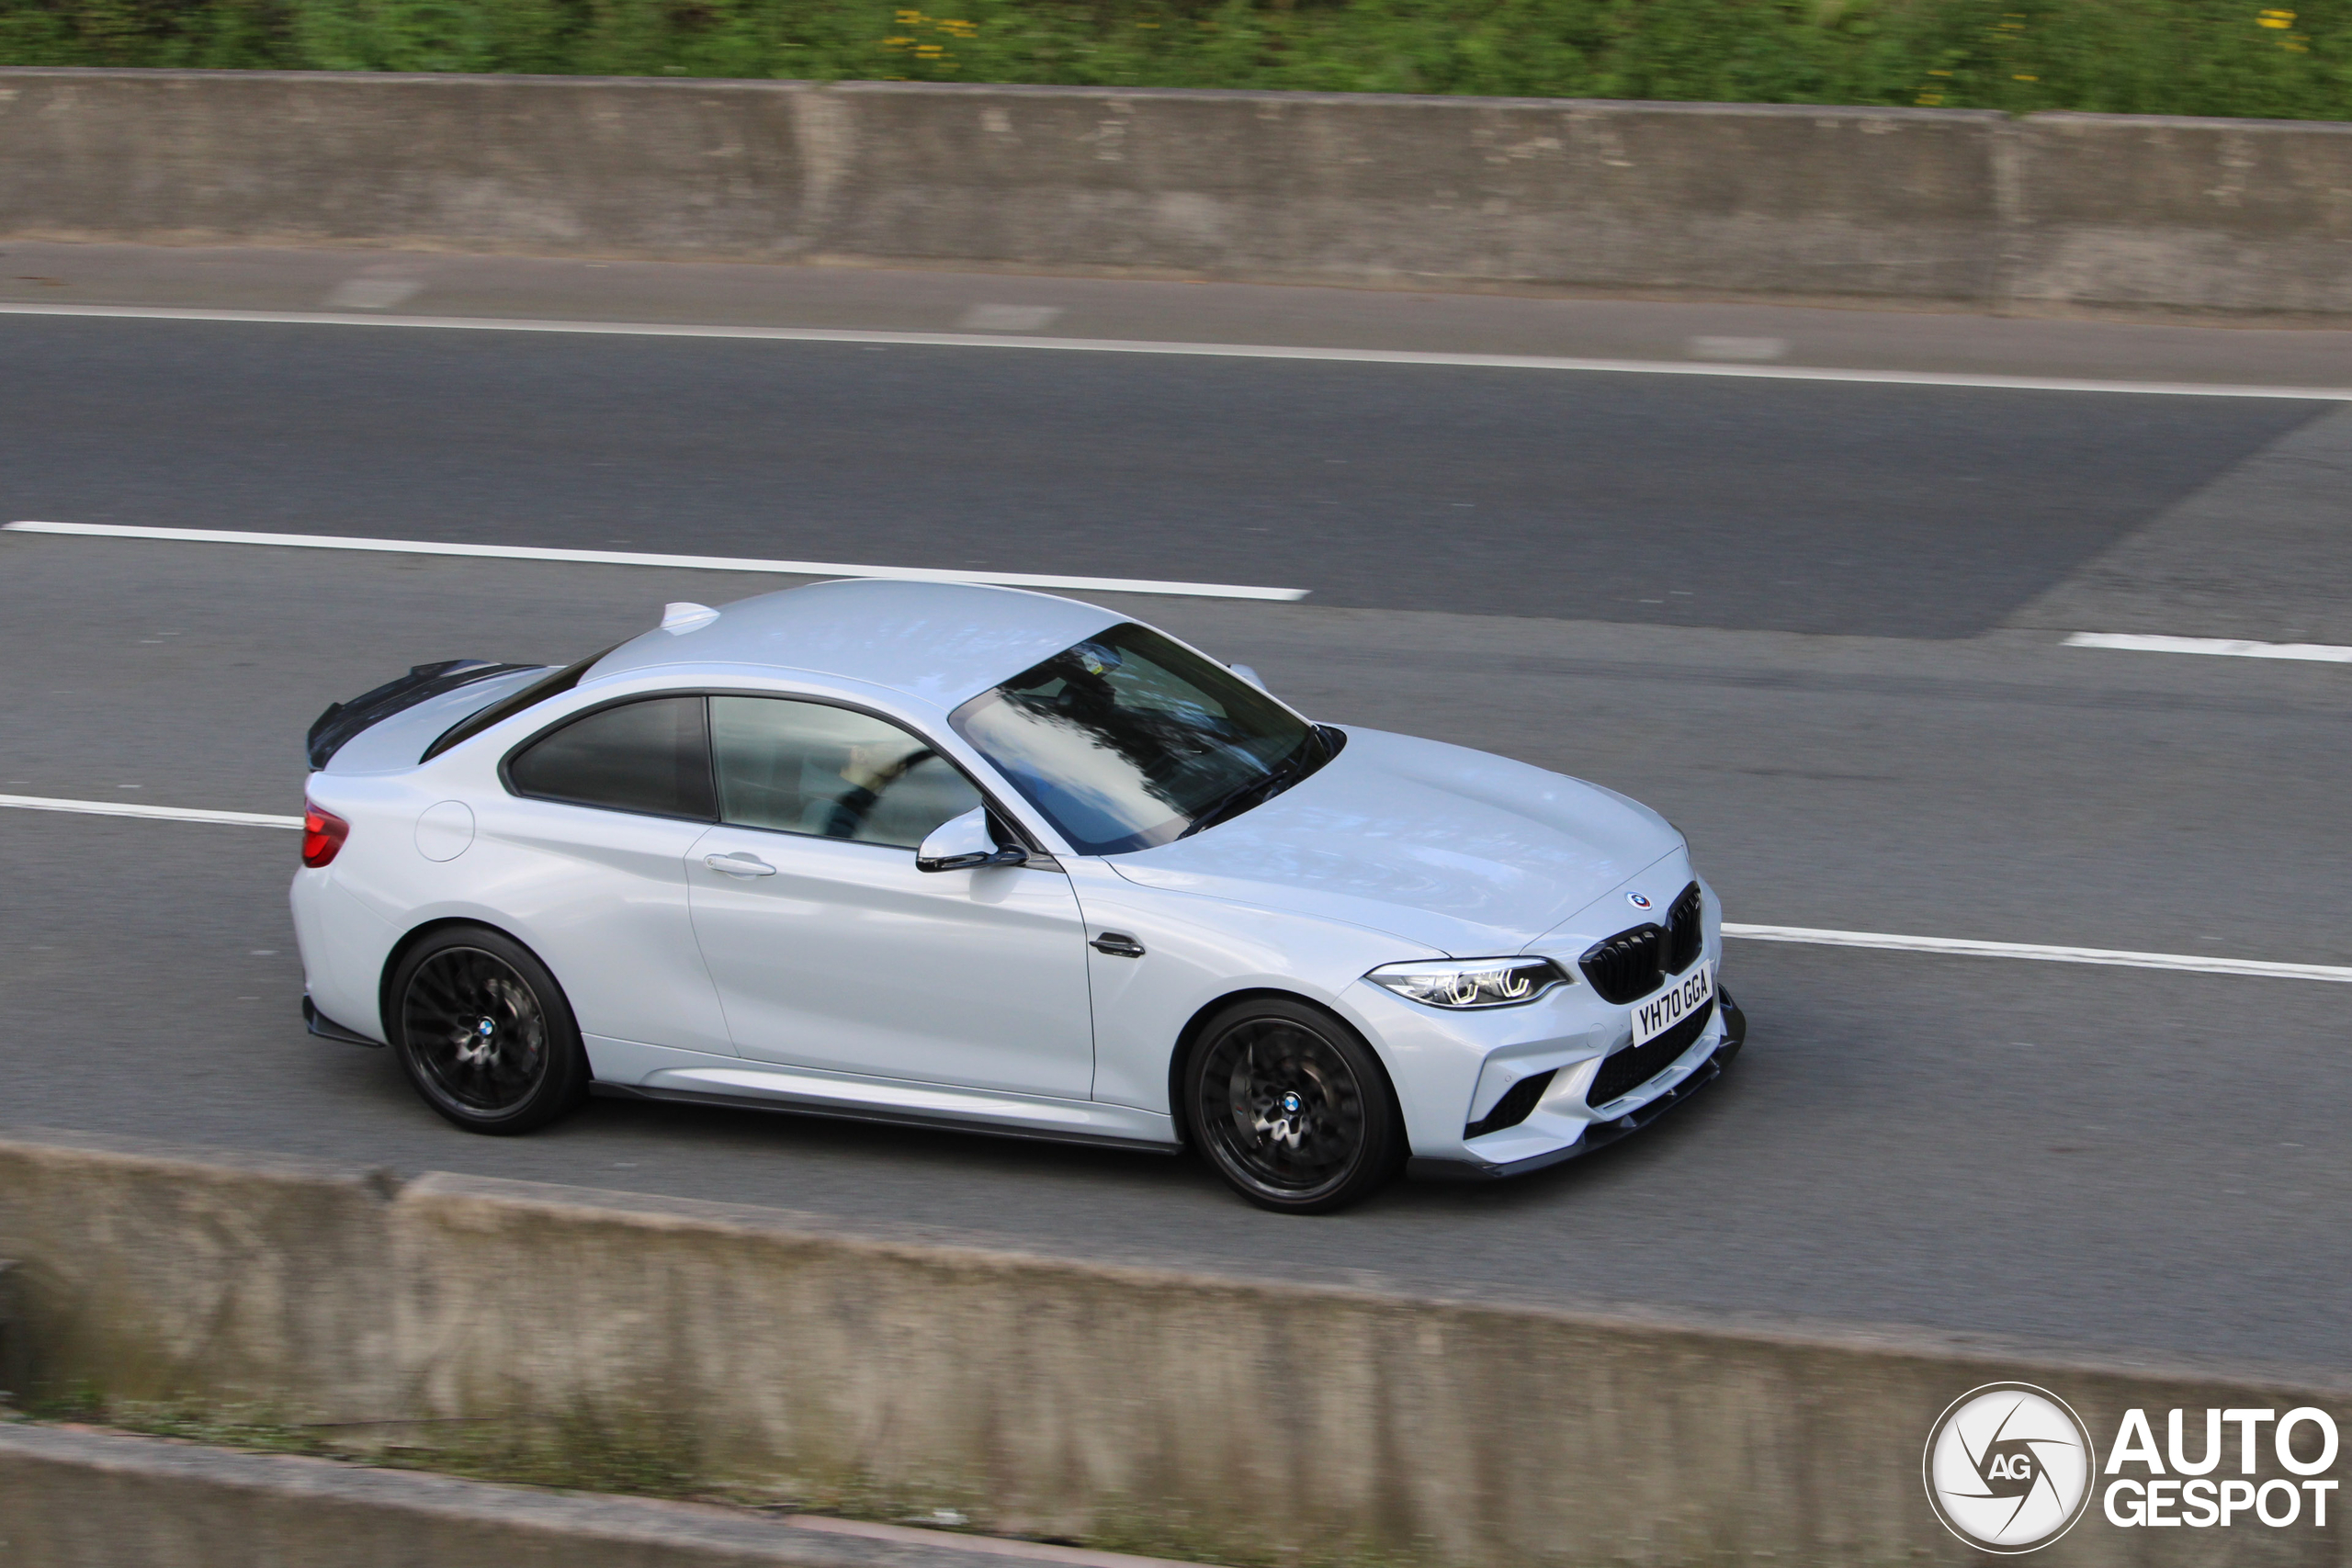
1130 739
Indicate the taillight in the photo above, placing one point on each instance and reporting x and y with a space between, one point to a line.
323 834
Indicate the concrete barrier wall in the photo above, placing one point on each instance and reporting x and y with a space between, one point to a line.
1922 205
540 165
1233 1420
1339 186
261 1278
2231 215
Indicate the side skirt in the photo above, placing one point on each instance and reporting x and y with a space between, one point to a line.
326 1028
627 1070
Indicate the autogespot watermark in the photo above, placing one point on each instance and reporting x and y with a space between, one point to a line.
2160 1498
2010 1468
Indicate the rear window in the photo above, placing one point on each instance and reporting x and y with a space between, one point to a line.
651 757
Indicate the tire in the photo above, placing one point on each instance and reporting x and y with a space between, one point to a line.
1291 1107
485 1033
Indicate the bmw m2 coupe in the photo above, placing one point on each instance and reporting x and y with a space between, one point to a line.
994 860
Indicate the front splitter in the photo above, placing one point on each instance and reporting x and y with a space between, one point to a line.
1601 1134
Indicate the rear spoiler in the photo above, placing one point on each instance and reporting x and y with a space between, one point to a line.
344 720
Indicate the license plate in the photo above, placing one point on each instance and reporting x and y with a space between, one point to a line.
1677 1002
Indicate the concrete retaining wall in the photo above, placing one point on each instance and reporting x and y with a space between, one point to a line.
2230 215
1923 205
1235 1420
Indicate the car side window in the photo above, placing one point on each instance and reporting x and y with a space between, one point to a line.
651 756
800 767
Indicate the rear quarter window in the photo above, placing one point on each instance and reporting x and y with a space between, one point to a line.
651 756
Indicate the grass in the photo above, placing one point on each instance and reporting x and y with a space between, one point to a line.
584 1455
2194 56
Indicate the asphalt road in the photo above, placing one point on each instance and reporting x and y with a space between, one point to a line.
397 284
2108 1157
1883 510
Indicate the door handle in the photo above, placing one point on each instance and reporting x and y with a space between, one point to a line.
1118 944
740 863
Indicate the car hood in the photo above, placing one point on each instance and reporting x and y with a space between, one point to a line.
1466 852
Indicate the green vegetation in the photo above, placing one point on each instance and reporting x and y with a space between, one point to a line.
581 1454
2195 57
585 1454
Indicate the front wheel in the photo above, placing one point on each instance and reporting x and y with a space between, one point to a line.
1291 1107
485 1033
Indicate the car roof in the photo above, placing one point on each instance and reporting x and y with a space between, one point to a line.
940 642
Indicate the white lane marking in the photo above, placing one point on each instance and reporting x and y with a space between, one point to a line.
1747 350
1208 350
153 813
2227 647
372 293
1007 318
2193 962
635 558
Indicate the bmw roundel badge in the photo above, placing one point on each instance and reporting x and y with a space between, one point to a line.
1637 901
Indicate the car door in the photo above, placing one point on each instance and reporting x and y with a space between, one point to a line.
587 855
832 951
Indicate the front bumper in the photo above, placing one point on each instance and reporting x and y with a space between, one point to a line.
1601 1134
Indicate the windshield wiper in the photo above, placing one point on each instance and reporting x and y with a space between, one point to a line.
1233 802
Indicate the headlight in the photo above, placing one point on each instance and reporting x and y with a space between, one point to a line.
1471 982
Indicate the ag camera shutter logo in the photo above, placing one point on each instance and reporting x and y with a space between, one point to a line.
2010 1467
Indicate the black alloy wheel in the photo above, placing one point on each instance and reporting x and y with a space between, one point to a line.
485 1033
1292 1107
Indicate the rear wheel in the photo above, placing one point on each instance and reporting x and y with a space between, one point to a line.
484 1033
1291 1107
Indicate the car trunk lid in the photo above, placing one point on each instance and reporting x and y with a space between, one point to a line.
345 721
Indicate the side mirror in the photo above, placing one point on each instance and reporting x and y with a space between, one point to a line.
1249 675
961 842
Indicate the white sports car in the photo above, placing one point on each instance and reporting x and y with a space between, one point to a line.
994 860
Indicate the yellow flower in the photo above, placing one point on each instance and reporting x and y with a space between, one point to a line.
2275 19
2025 78
909 18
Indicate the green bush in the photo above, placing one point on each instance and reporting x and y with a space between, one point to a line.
2197 57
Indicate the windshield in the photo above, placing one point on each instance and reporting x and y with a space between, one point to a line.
1128 740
